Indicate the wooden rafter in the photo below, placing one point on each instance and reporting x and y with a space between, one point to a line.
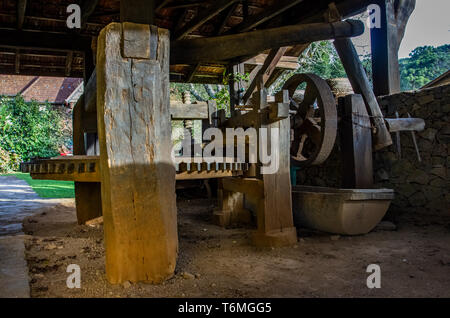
228 14
266 70
87 8
21 8
203 17
191 74
269 13
161 5
17 62
69 60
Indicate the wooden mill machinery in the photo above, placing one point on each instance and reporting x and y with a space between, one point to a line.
128 51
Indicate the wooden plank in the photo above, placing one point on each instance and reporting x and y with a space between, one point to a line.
217 7
138 178
249 186
21 8
189 111
285 63
228 47
356 144
360 84
405 124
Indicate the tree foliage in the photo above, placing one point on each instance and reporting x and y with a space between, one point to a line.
424 64
30 129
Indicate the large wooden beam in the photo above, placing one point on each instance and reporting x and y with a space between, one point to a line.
385 66
403 11
361 85
138 177
203 17
274 212
356 143
21 8
228 47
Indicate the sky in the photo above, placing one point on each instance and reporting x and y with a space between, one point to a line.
428 25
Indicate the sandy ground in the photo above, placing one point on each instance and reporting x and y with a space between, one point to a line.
217 262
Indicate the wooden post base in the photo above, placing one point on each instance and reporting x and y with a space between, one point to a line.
88 201
87 194
231 209
138 176
275 238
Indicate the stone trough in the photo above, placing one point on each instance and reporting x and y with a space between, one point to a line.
340 211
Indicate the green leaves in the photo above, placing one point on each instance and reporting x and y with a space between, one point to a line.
424 65
30 129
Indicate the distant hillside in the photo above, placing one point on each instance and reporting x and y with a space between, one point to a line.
424 65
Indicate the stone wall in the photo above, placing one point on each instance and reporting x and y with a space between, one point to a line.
422 188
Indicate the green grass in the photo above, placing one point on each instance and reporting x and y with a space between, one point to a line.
47 188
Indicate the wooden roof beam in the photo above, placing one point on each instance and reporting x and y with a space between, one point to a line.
211 12
21 8
228 14
69 60
17 62
87 8
44 40
228 47
266 70
269 13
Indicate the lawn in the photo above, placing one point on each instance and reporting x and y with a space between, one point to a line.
47 188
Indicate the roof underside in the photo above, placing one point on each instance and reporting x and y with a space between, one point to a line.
182 18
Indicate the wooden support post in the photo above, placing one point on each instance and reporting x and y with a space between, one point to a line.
231 207
356 143
87 194
138 177
386 72
360 84
274 211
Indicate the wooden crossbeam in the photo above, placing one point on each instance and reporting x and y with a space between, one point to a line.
266 70
223 48
21 8
214 10
44 40
253 21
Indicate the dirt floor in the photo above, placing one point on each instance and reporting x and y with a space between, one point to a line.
217 262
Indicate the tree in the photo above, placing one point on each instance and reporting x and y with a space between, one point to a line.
424 64
30 129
